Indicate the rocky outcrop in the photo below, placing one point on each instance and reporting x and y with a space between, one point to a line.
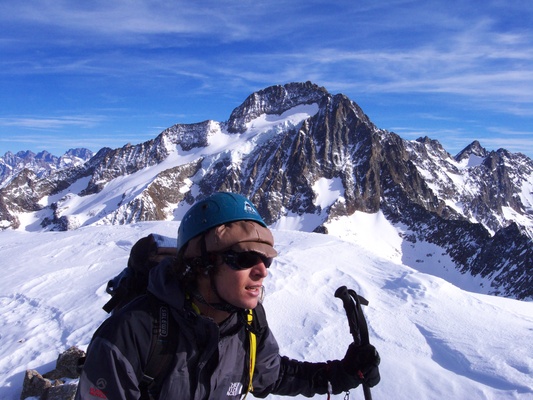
57 384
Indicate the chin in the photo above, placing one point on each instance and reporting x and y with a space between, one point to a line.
249 304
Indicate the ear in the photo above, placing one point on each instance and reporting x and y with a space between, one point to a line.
195 263
202 265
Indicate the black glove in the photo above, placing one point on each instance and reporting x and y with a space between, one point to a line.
359 365
362 362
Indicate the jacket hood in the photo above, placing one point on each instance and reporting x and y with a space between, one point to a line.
164 285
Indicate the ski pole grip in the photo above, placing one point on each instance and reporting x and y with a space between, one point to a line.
353 310
343 294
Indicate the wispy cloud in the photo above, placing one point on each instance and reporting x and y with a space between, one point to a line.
149 56
57 144
469 56
144 22
50 123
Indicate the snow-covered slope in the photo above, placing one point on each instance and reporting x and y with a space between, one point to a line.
436 340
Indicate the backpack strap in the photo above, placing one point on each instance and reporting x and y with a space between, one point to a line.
252 337
256 323
164 343
162 348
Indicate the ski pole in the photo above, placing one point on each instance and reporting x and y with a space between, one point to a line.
356 320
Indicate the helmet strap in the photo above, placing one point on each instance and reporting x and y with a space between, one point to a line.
210 270
206 260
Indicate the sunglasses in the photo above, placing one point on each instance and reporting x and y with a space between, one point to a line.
248 259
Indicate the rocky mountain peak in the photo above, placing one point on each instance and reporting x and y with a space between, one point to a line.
82 153
274 100
473 149
189 136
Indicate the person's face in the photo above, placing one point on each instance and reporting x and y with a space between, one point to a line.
241 288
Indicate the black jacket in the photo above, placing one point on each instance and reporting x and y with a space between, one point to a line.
210 360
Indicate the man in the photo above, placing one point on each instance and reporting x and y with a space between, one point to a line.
222 349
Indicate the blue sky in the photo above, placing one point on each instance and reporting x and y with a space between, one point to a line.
106 73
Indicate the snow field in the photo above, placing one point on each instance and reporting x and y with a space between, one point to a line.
436 340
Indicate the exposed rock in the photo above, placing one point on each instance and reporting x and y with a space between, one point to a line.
66 391
274 100
34 385
67 364
54 385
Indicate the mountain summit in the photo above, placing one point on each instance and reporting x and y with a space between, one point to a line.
306 158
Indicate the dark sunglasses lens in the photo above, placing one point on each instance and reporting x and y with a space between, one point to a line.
267 261
246 260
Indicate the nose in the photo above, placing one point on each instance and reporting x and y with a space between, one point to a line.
259 270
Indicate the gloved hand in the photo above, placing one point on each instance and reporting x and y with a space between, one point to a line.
362 362
359 365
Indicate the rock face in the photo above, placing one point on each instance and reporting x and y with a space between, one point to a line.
276 148
54 385
274 100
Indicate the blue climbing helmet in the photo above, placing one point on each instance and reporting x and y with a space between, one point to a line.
217 209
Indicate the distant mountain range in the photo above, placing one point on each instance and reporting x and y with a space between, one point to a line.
41 164
282 147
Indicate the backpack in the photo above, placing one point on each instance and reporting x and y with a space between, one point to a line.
132 282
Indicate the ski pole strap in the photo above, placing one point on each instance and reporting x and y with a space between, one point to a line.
361 321
356 320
